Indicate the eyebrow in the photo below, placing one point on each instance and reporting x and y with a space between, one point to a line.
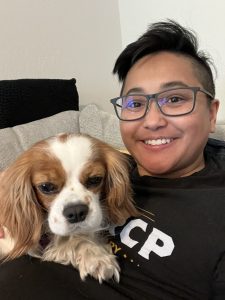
167 85
174 84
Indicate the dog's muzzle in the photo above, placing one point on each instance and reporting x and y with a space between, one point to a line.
75 213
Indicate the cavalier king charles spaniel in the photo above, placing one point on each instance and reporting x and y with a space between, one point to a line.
71 188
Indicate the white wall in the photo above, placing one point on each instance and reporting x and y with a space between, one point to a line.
205 17
82 39
62 39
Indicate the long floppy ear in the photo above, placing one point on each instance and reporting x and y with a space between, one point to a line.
20 212
119 195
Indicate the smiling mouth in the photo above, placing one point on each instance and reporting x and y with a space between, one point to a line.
157 142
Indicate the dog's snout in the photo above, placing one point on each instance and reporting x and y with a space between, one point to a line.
75 213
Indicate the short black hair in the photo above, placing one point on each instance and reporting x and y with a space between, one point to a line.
172 37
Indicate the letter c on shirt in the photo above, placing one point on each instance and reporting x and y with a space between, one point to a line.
150 244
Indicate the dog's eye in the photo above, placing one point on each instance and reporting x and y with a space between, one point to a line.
93 181
48 188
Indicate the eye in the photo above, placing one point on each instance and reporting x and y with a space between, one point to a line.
93 181
134 102
174 99
48 188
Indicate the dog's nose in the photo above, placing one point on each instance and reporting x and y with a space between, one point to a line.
75 213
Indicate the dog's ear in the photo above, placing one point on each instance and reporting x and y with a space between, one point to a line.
20 212
119 195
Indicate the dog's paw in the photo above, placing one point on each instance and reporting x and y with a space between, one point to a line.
89 257
101 265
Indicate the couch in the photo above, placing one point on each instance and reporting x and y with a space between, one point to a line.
90 119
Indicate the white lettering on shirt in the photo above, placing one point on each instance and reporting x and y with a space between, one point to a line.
152 242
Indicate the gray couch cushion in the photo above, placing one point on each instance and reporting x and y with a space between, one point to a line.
16 139
102 125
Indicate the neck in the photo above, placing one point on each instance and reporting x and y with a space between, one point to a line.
175 173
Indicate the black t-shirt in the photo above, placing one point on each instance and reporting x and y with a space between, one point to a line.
174 250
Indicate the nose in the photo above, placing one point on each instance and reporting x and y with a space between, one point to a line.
75 213
154 118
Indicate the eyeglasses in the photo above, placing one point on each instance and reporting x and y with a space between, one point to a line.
172 103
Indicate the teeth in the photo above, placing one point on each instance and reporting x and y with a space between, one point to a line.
158 141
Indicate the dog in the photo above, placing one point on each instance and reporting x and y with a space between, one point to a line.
70 188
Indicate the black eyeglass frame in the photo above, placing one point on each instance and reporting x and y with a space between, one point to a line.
154 97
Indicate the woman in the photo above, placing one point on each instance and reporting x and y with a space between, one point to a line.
176 248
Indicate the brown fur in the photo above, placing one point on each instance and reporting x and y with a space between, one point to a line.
24 209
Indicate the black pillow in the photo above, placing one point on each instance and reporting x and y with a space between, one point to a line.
26 100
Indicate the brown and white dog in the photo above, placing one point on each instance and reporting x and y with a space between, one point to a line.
72 187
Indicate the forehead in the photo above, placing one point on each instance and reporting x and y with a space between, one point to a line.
73 152
158 71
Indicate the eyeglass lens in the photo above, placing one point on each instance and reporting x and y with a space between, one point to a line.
172 102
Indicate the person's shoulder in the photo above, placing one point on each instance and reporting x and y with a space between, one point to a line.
215 147
215 152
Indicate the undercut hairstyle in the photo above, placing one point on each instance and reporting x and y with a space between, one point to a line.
172 37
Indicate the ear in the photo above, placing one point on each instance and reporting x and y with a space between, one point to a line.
118 188
213 109
20 213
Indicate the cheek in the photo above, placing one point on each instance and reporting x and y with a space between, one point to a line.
128 130
44 200
194 127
